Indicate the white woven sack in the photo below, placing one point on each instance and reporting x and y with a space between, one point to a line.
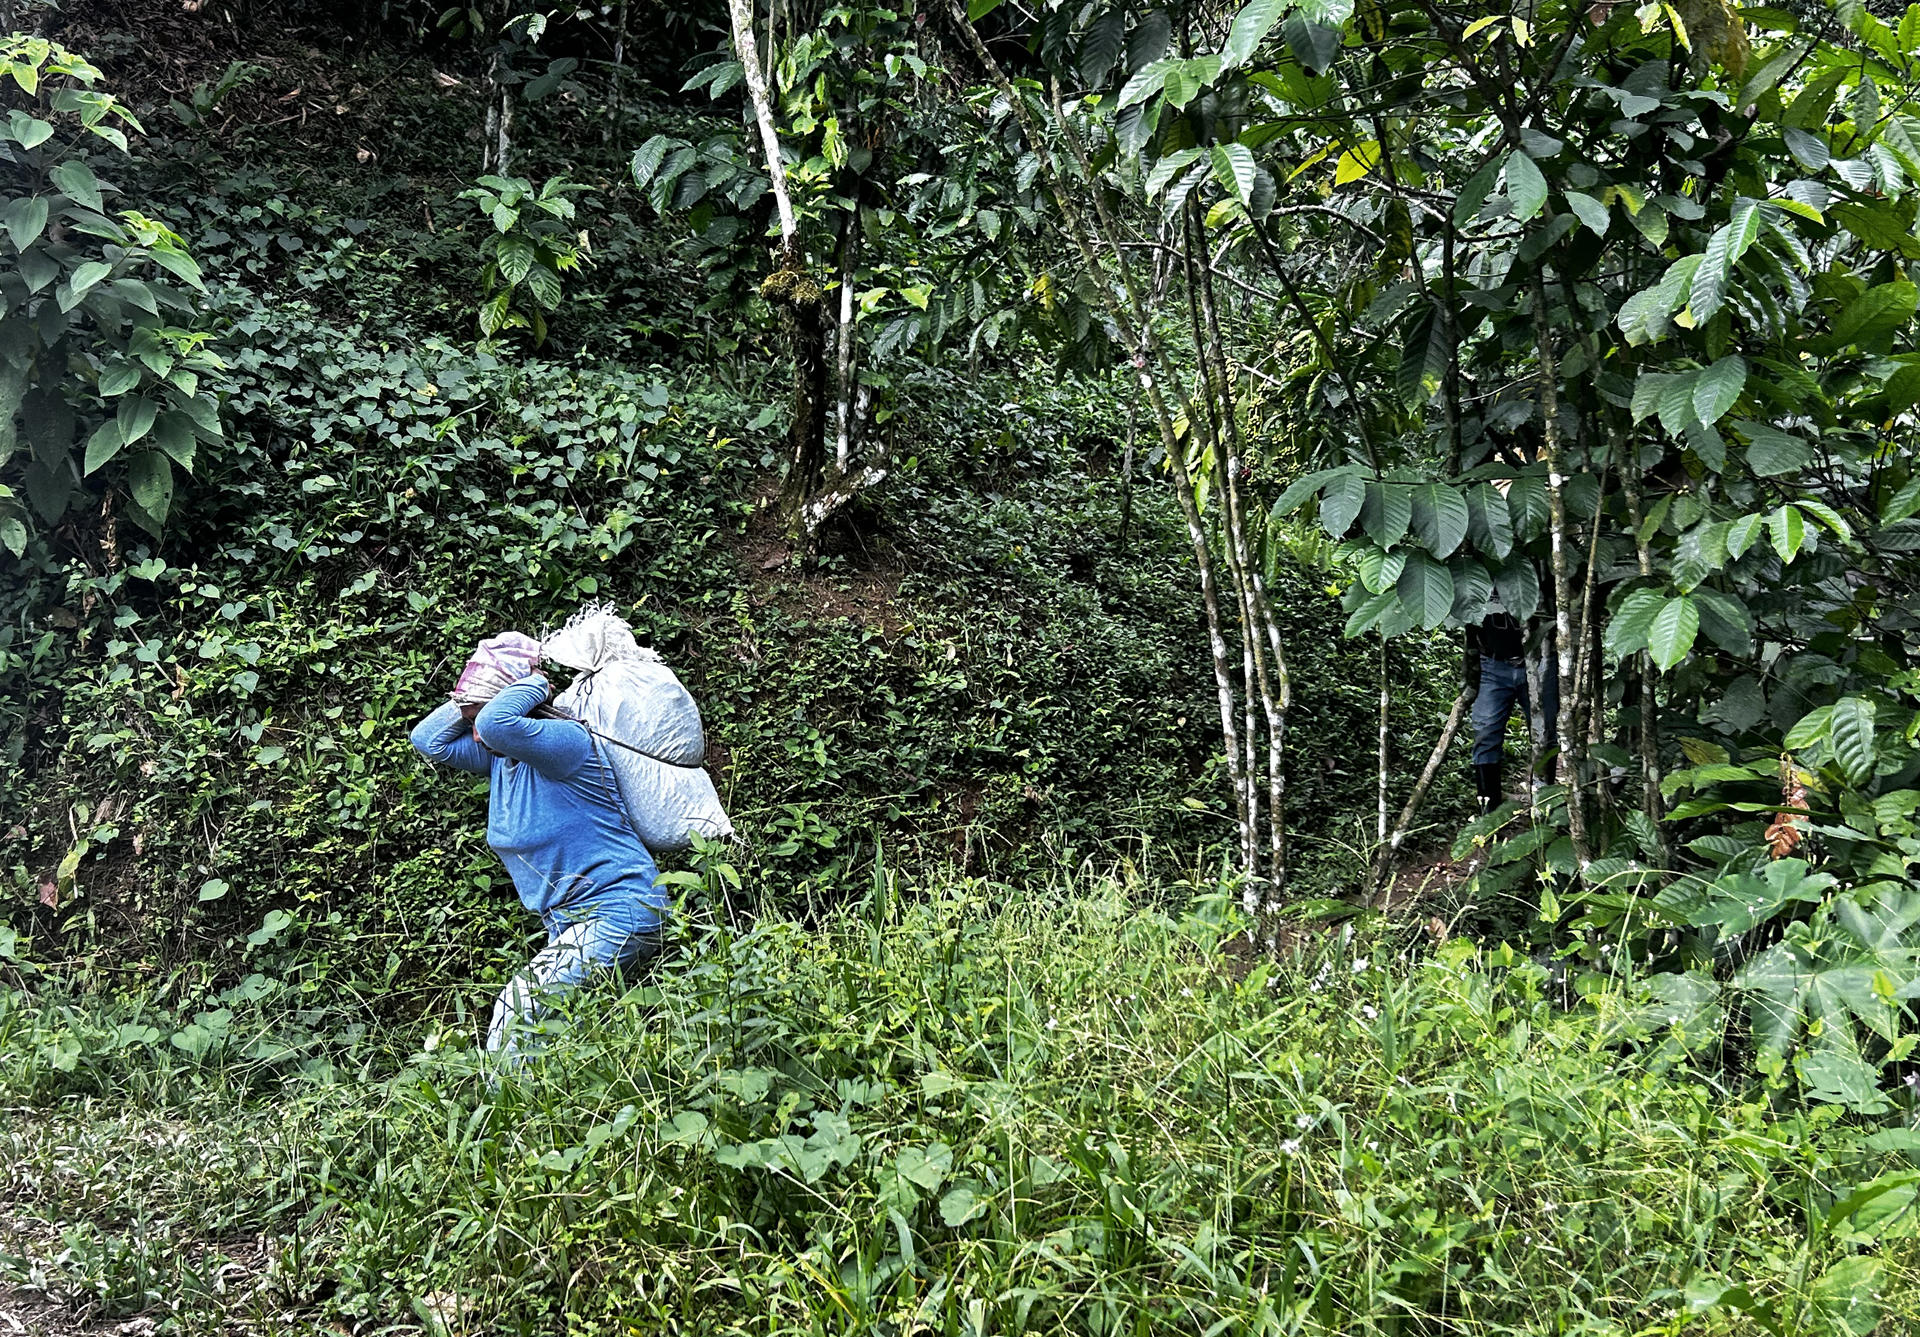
648 729
641 703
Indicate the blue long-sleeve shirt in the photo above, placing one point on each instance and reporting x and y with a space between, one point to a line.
553 811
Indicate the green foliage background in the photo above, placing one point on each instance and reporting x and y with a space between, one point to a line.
208 732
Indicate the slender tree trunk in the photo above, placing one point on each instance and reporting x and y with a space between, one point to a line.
1130 318
740 13
1389 859
1565 645
1380 751
619 71
1652 801
845 426
1268 667
1205 426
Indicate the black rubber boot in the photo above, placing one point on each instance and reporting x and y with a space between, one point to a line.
1486 784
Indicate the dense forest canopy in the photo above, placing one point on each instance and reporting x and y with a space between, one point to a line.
1078 456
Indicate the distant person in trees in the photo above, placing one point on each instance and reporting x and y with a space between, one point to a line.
1506 646
555 818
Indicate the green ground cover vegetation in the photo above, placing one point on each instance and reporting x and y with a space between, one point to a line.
335 338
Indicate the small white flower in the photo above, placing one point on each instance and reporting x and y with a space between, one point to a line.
1303 1121
1291 1147
1368 1011
1373 1146
1053 1023
1360 965
1186 993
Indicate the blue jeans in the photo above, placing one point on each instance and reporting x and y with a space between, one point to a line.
572 955
1502 686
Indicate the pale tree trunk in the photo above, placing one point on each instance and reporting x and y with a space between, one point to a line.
1380 756
1130 319
1565 645
746 50
1207 429
619 70
1388 861
1268 666
811 495
1652 801
845 421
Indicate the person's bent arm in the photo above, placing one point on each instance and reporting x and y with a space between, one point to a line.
557 748
445 737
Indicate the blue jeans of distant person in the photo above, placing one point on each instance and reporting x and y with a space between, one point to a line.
575 952
1503 685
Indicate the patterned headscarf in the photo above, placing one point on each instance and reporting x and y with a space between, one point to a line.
497 662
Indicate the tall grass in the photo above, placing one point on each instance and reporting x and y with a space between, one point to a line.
961 1113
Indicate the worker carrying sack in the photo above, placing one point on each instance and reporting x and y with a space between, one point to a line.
632 702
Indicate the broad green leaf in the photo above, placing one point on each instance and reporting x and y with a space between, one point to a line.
1233 166
1903 389
514 257
77 181
88 275
1810 150
135 418
1670 635
1643 318
1102 47
1379 569
1708 292
29 132
1846 1299
150 478
1368 614
1850 735
1472 587
26 220
1878 226
102 446
1810 729
1473 194
647 159
1314 44
1423 356
180 266
1827 516
1526 187
1518 586
1789 530
1145 83
1773 452
1902 503
1877 311
1527 506
1725 620
1440 518
119 378
1717 387
1250 26
1340 503
1426 589
1387 512
1589 211
173 433
1167 168
1650 390
1296 494
1488 521
1356 162
1627 629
